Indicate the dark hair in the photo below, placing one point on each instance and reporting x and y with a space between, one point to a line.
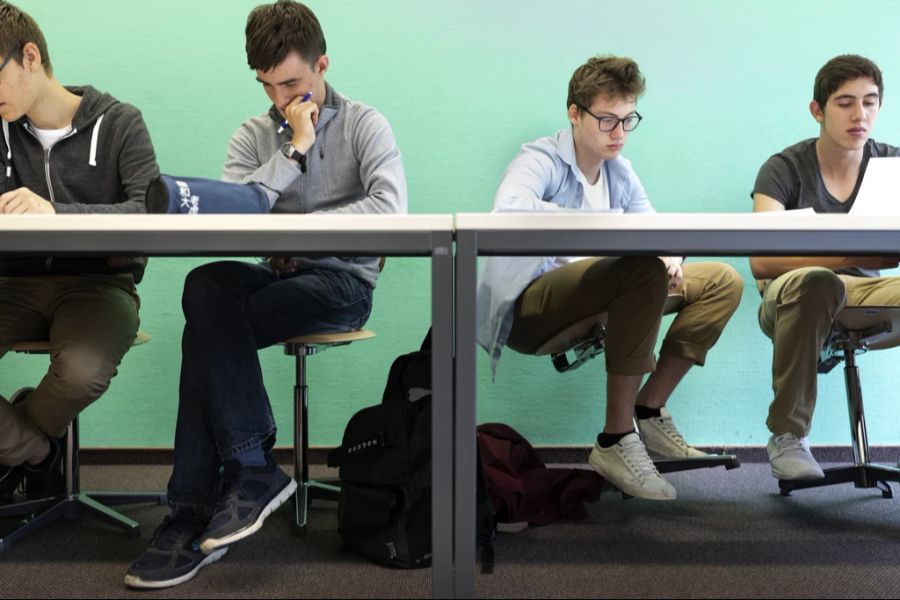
275 30
609 75
841 69
17 28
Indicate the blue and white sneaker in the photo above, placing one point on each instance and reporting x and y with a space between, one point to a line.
249 496
174 554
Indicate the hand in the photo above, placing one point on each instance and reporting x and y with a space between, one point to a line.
302 117
673 268
23 201
283 264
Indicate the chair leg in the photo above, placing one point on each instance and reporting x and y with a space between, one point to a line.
307 490
73 503
301 452
672 465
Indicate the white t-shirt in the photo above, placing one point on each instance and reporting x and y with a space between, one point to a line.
48 137
596 197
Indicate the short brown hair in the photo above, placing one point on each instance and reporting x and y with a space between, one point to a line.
612 76
275 30
17 28
841 69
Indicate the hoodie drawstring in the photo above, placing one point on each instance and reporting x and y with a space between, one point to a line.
92 161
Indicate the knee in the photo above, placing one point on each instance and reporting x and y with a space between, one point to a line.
82 373
644 271
730 285
204 287
817 287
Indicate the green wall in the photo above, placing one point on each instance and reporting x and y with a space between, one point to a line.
464 83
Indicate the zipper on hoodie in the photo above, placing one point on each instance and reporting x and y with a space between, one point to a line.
47 156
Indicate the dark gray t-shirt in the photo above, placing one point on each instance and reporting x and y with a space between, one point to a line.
793 178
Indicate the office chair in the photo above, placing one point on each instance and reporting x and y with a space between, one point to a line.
585 340
307 490
73 503
856 329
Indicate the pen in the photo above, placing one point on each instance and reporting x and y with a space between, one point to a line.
285 123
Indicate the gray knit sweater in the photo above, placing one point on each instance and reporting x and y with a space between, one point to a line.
353 167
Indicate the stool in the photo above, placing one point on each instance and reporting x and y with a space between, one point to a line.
586 339
856 329
74 502
300 347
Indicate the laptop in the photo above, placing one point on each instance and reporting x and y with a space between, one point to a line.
879 193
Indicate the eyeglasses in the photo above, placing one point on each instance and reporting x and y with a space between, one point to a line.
609 123
5 61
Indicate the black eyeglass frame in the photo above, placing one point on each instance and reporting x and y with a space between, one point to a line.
636 115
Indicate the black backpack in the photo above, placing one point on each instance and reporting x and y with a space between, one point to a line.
384 512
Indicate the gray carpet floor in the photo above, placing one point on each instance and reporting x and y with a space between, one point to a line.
729 535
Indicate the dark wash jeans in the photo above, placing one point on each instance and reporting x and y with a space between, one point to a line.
233 309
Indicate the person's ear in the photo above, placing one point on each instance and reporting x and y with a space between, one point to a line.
573 113
816 111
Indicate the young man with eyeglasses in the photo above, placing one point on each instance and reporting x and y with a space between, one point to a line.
802 295
524 301
64 150
313 151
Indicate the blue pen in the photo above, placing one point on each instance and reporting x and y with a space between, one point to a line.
285 123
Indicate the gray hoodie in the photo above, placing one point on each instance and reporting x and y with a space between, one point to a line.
103 166
353 167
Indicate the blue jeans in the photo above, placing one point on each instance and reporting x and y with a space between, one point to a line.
231 310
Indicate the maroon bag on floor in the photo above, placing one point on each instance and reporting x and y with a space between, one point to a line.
522 488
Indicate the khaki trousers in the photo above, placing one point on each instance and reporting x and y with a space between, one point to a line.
796 312
633 290
90 321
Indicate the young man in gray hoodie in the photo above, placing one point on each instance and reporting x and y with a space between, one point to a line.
64 150
313 151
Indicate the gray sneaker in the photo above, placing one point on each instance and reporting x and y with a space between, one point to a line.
663 440
791 459
627 466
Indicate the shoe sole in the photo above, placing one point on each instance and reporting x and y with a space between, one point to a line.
136 582
209 545
637 492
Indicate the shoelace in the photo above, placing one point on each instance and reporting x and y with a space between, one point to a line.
639 462
668 427
788 441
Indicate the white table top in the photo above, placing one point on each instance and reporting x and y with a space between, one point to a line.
735 234
220 234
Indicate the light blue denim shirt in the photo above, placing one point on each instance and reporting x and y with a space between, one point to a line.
543 176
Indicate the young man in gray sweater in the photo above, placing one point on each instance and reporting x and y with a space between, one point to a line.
64 150
313 151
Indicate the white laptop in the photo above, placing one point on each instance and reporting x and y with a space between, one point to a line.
879 194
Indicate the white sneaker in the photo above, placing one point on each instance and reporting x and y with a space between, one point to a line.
663 440
627 466
791 459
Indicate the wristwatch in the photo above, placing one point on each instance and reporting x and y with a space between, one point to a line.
292 153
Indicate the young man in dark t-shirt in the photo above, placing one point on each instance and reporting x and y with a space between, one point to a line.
802 295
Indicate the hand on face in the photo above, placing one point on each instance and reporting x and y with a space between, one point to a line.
302 117
23 201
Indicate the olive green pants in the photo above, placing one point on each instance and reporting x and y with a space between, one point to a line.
633 291
91 322
796 312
